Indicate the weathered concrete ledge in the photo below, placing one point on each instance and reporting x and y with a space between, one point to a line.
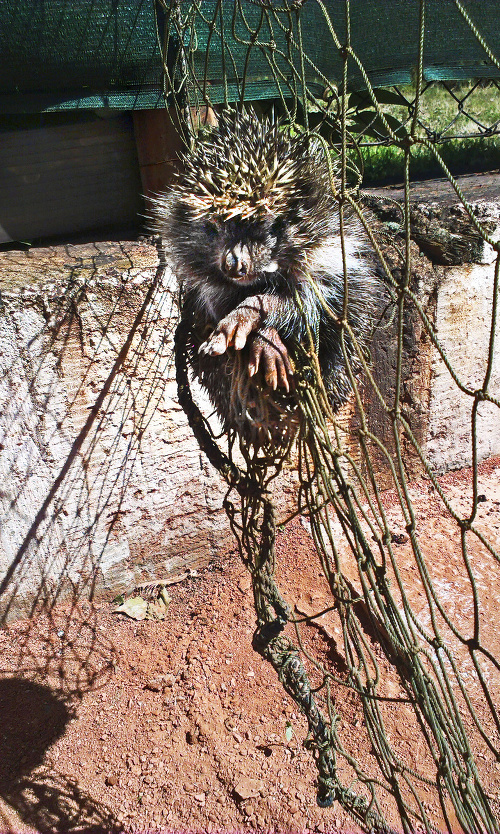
139 501
453 280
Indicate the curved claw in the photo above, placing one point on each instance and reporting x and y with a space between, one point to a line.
268 352
233 330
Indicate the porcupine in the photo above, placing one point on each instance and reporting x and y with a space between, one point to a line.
249 223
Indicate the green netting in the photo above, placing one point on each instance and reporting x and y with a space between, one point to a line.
436 655
99 53
262 43
339 491
88 54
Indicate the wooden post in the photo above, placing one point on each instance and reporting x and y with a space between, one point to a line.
159 144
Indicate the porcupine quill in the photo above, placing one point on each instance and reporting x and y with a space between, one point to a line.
249 222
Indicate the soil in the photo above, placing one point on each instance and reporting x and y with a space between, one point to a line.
109 724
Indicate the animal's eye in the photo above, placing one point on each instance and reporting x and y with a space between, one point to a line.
211 230
275 232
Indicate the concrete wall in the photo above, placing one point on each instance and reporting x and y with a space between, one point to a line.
139 501
463 323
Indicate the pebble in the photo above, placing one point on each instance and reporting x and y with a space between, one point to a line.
247 788
111 780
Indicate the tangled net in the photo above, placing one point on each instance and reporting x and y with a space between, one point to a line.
431 665
339 491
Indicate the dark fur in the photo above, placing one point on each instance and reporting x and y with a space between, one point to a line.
292 247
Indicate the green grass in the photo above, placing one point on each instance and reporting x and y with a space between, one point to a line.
461 156
440 113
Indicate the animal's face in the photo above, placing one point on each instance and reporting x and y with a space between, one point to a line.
244 251
241 252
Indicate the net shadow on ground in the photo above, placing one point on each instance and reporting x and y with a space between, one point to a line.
34 716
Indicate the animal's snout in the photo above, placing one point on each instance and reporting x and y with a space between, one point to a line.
237 261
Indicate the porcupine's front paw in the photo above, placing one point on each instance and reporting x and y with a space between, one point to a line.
266 350
233 330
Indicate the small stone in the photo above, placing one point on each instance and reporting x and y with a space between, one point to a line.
247 788
244 583
200 797
111 780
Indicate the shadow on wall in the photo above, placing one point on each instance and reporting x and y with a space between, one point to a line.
85 345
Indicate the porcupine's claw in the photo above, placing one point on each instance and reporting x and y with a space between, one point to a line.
233 330
268 351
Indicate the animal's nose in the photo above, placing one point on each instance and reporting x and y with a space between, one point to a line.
237 262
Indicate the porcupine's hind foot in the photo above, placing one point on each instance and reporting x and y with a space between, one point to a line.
265 348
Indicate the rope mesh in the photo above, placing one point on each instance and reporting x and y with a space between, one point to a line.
431 663
435 654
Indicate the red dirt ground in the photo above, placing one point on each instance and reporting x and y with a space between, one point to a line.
174 726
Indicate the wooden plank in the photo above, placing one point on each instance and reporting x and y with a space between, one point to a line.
69 178
159 143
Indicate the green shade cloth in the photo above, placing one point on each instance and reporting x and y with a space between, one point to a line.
58 55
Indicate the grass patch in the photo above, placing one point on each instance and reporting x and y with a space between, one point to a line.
451 111
461 156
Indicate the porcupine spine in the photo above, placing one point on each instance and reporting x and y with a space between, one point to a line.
253 184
